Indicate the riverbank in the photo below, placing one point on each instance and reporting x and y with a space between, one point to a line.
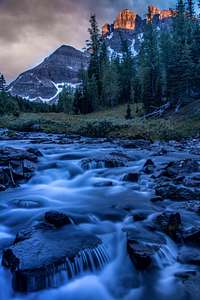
111 123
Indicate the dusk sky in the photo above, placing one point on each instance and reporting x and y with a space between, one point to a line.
32 29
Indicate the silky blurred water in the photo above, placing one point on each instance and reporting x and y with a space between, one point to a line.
60 183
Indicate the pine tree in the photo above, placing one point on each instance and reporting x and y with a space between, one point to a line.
195 52
2 83
128 112
190 8
92 85
65 101
165 54
126 71
181 64
110 85
181 7
77 101
94 47
149 69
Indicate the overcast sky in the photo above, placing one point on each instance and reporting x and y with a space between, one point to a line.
32 29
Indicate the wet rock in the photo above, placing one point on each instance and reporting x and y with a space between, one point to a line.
114 215
142 247
189 256
192 181
132 177
16 166
156 199
160 152
41 253
192 235
139 217
189 280
170 223
149 167
185 275
57 219
109 161
35 151
169 190
135 144
183 167
141 255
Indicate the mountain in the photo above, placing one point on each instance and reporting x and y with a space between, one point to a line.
130 27
45 81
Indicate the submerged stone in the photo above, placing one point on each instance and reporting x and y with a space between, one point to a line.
57 219
149 167
132 177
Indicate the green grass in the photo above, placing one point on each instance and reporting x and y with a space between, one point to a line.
109 123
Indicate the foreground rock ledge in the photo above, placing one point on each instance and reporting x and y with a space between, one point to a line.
45 257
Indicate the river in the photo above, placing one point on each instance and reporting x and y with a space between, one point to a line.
108 205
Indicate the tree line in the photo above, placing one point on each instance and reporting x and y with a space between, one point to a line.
166 69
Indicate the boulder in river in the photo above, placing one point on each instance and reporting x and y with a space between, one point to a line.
170 223
169 190
189 256
16 165
142 247
107 161
149 167
132 177
57 219
141 254
45 257
182 167
192 235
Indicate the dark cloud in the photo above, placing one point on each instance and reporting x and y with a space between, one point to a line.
31 29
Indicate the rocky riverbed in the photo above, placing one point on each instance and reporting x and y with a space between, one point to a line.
99 219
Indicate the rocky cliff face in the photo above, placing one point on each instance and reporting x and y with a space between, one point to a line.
154 12
130 27
125 20
45 81
129 20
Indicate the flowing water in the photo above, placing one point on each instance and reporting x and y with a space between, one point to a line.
60 183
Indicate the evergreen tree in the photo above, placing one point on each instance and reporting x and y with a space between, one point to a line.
77 101
149 69
66 99
190 8
110 85
128 112
2 83
181 66
195 52
94 47
126 71
165 54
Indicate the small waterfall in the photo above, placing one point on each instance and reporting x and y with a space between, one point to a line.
87 260
55 275
166 255
93 164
